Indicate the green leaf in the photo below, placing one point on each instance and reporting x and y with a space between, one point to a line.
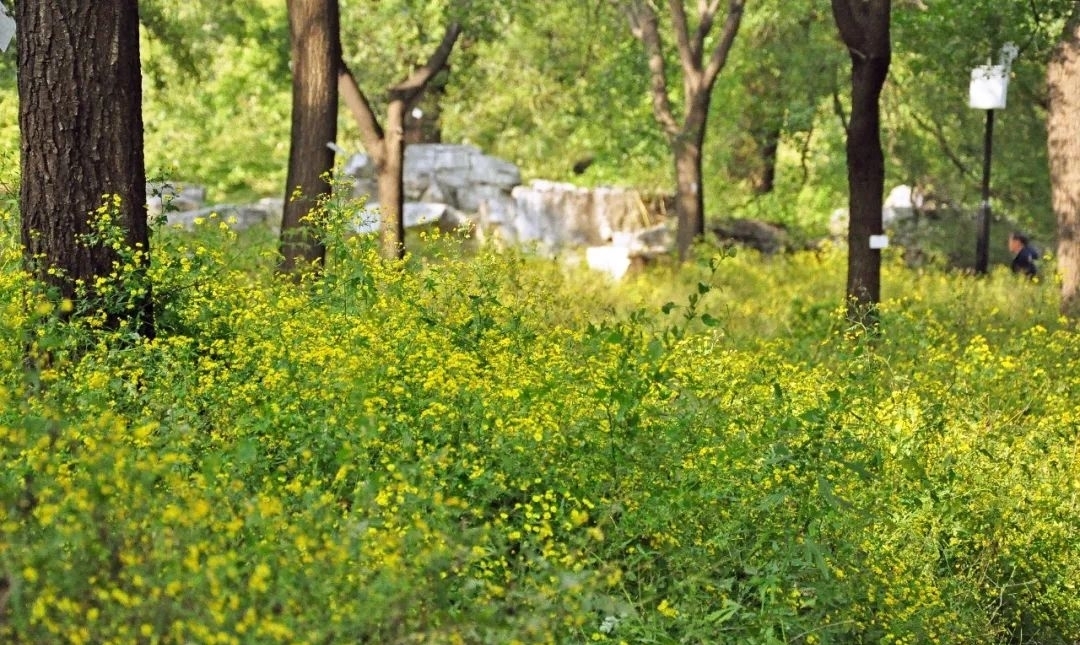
826 490
723 614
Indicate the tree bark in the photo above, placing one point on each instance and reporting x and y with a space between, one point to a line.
427 127
768 142
699 76
387 148
864 29
689 203
314 30
391 183
80 118
1063 141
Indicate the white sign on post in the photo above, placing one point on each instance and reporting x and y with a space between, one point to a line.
7 29
989 87
990 83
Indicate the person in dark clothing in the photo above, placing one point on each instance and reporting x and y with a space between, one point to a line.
1024 255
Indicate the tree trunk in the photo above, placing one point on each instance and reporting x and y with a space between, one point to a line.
866 182
689 204
427 127
864 28
391 183
699 75
1063 140
767 140
387 149
80 118
314 28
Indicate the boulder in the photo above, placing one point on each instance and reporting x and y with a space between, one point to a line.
612 260
164 196
489 190
559 214
455 186
763 236
458 175
239 217
902 203
417 214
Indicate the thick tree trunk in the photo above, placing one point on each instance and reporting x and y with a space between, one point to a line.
864 28
866 182
689 204
80 116
1063 140
391 183
316 55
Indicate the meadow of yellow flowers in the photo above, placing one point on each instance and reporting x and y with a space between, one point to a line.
495 448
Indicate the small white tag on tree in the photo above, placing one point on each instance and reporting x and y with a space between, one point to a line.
879 241
7 29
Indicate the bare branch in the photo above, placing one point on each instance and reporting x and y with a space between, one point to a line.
689 52
648 32
838 110
633 12
371 133
706 14
938 133
727 39
411 87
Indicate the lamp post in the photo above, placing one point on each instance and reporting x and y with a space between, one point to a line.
989 86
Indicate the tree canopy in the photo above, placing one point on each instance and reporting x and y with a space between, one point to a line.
548 85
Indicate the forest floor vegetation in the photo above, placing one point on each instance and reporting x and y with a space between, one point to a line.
500 449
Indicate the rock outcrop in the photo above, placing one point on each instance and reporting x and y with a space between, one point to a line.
458 182
458 185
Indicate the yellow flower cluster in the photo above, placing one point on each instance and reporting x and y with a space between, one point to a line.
496 449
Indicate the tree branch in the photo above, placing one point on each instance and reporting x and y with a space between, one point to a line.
689 52
371 133
838 110
877 25
706 13
411 87
848 24
938 133
646 28
727 39
854 22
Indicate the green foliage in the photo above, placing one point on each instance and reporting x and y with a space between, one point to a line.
561 84
935 140
500 449
547 85
772 89
224 125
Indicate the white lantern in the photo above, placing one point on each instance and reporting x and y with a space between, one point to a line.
989 85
